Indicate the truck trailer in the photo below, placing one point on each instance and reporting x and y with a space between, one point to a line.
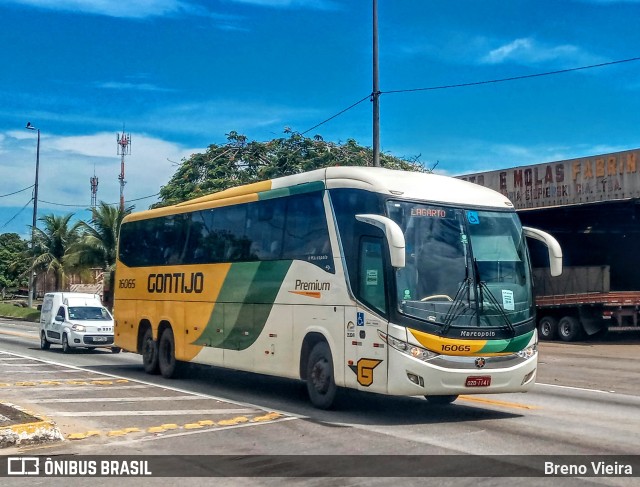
591 205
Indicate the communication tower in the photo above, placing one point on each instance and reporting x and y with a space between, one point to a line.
94 188
124 149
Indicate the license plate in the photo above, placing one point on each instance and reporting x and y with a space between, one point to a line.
99 339
478 381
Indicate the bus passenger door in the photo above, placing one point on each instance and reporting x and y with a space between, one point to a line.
365 351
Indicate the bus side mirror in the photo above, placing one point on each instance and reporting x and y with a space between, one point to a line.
393 233
555 251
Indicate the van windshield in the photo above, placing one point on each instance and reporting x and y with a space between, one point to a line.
88 313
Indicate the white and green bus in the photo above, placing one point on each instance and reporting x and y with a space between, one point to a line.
387 281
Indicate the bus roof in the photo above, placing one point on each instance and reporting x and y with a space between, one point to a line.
403 184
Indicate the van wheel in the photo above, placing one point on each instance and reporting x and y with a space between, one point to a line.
44 343
167 354
65 344
321 384
149 353
115 349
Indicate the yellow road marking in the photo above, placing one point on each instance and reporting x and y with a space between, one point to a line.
494 402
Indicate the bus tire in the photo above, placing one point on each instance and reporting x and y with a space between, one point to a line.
321 384
569 329
149 353
441 400
44 343
167 354
548 328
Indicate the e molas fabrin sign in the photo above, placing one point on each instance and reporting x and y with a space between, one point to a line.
588 179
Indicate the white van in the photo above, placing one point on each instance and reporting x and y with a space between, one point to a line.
75 320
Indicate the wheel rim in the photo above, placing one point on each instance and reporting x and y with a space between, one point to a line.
545 329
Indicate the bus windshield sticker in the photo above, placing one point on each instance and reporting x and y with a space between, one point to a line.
473 218
507 300
372 277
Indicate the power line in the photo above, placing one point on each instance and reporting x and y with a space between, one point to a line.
475 83
84 206
514 78
16 215
16 192
336 115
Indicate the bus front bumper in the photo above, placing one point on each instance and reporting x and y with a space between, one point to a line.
454 375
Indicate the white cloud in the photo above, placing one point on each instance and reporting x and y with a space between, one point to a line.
67 163
528 51
137 9
117 85
312 4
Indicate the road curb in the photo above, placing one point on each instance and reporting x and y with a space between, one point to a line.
20 427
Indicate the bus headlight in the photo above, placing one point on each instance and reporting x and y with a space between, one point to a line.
528 352
407 348
78 328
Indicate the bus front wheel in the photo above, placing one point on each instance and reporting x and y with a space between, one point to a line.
149 353
321 384
441 400
167 354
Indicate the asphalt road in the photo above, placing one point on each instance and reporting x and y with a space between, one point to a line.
585 403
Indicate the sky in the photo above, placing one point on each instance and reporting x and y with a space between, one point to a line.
178 75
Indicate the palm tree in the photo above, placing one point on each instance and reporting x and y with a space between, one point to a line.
52 243
98 241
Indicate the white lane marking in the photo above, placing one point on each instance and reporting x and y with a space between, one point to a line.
575 388
122 399
165 387
176 412
79 387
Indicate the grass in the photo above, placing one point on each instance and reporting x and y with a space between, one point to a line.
10 311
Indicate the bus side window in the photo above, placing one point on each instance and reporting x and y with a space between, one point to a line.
371 287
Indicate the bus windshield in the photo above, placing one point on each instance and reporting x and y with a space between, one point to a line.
464 268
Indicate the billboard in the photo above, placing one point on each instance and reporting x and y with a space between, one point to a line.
605 177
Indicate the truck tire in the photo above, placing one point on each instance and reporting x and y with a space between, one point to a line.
548 328
321 385
569 329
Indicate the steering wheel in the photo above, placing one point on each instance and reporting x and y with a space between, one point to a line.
436 296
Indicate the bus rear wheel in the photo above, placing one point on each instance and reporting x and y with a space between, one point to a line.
149 353
321 384
167 354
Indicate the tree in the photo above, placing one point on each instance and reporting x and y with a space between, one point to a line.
13 264
240 162
98 239
52 244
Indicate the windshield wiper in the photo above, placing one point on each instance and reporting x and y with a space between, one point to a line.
484 290
458 306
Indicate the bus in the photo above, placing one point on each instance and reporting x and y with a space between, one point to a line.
395 282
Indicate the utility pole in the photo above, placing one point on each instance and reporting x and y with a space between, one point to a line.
35 220
375 94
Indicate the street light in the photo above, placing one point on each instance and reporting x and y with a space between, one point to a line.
35 216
